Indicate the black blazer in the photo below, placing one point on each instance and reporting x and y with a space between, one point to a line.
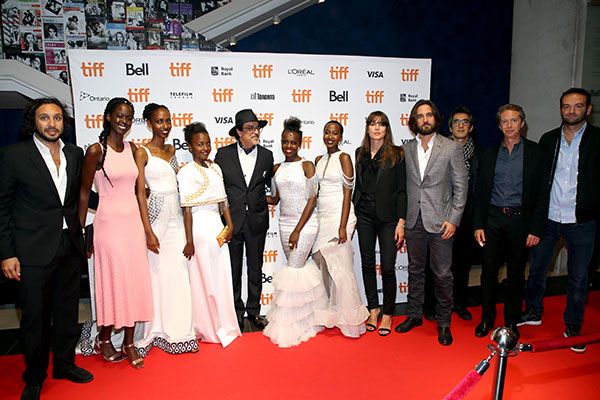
31 214
246 200
390 189
535 197
588 170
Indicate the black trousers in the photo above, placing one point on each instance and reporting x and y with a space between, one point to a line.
49 299
505 240
255 246
370 229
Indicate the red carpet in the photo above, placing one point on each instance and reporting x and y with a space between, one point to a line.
407 366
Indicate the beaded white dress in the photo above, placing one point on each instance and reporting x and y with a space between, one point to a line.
344 308
298 286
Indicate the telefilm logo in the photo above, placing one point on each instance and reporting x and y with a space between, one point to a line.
262 71
138 95
375 74
374 96
270 256
268 116
180 69
182 119
341 97
217 70
83 96
142 70
92 69
272 235
408 98
301 72
181 95
342 118
339 72
262 96
301 95
223 95
409 74
222 141
93 121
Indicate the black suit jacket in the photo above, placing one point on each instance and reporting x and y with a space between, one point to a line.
390 189
246 201
535 197
31 214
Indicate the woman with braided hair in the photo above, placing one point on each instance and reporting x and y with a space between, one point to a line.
122 285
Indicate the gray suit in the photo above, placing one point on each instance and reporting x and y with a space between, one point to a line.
440 196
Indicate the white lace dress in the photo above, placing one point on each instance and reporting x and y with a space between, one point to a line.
171 328
344 308
298 286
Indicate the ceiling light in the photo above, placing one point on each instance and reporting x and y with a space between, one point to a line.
276 20
232 41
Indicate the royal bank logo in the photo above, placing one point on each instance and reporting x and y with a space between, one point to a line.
181 95
83 96
267 143
408 98
218 70
301 72
262 96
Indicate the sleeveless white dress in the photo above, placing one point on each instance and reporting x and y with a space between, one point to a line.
298 286
344 308
171 330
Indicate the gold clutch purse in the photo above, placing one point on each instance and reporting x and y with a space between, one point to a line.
222 236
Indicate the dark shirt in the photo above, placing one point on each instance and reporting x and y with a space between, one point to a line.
507 190
370 168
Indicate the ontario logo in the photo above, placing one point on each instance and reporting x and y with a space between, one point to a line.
83 96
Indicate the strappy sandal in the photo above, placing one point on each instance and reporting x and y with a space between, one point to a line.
372 327
115 357
385 331
138 363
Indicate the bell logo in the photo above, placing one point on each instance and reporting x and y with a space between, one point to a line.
272 210
262 71
223 141
338 72
138 95
270 256
404 119
403 287
178 69
182 119
341 97
92 69
222 95
266 117
94 121
342 118
301 95
374 96
266 299
306 141
409 75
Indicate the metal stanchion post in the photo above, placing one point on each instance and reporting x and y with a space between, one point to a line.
506 342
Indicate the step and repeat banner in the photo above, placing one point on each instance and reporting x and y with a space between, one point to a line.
212 87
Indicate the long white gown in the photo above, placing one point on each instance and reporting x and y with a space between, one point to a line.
344 308
171 329
202 189
298 286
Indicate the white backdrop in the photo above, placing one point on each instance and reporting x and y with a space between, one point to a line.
211 87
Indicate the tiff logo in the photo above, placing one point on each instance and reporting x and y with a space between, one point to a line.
409 75
139 95
141 142
272 210
403 287
342 118
266 298
92 69
178 69
223 141
262 71
404 119
270 256
301 95
266 117
222 95
374 96
339 72
306 141
182 119
94 121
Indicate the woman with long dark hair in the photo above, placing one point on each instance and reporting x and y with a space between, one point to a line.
380 203
122 285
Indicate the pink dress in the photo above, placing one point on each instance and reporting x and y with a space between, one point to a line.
121 273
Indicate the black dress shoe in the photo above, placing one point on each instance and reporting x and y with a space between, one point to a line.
483 328
73 373
408 324
463 313
31 392
444 335
258 321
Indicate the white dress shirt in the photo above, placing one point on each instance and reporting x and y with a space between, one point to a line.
59 176
247 162
422 155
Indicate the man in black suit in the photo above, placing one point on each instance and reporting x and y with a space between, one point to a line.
247 167
41 243
510 214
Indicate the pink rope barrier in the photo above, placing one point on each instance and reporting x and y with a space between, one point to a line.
538 346
464 386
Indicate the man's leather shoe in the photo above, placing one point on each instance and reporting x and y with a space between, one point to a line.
73 373
513 327
31 392
483 328
463 313
444 335
258 321
408 324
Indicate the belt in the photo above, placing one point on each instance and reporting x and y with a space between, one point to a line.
508 211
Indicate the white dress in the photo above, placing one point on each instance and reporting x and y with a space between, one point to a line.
298 286
171 329
202 189
344 309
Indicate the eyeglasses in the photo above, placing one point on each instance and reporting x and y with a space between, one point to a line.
250 129
461 122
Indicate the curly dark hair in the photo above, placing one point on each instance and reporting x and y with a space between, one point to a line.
190 130
150 109
29 127
103 138
293 124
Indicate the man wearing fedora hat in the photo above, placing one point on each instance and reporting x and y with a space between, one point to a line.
246 167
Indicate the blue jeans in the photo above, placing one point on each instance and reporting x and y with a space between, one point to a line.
580 246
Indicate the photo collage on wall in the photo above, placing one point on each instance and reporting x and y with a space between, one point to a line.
39 32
